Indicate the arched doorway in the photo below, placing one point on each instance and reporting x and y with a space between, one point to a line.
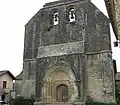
62 93
59 85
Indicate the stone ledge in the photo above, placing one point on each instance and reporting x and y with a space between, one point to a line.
61 49
59 103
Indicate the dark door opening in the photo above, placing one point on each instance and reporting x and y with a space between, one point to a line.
62 93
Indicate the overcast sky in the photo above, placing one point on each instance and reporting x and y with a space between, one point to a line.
14 14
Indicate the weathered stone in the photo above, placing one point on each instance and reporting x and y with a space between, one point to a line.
61 49
74 54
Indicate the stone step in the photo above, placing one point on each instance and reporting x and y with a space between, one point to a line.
59 103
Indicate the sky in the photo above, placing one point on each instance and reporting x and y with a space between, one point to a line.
14 14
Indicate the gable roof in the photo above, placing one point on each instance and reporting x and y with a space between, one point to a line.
19 77
7 72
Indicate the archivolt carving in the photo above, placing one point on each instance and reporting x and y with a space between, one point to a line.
56 75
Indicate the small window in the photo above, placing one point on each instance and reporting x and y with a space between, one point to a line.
71 14
4 84
55 18
3 97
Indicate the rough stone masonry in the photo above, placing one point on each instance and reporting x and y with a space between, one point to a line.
67 55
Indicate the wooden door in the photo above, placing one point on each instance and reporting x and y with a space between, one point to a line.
62 93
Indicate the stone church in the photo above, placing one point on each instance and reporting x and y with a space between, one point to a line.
67 55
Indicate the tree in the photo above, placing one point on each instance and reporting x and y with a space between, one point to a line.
117 92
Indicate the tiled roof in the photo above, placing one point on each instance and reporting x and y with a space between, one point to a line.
2 72
111 9
5 72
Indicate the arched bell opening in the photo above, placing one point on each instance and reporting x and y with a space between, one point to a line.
71 15
54 17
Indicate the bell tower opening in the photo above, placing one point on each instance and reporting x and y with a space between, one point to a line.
55 18
72 14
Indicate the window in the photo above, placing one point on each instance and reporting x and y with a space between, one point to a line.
55 18
62 93
3 97
71 14
4 84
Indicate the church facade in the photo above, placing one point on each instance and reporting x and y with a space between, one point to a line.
67 55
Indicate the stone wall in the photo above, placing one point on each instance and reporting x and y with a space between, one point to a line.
71 63
28 88
83 44
28 79
100 77
18 87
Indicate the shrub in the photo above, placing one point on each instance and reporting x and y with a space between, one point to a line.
21 101
117 93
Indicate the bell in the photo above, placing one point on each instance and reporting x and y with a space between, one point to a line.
72 15
56 17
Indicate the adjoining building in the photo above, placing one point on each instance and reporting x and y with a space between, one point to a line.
6 85
18 85
117 78
67 55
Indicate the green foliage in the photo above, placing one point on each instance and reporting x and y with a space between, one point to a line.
99 103
117 92
21 101
90 101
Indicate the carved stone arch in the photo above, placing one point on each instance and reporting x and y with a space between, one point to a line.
56 75
62 64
